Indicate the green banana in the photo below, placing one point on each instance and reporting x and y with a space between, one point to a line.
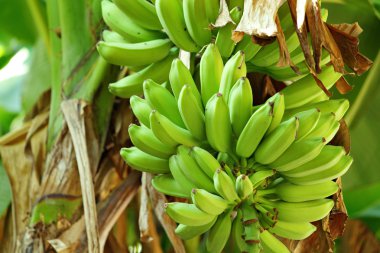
248 47
278 102
142 161
218 127
186 232
234 69
299 153
196 21
188 214
168 132
192 115
123 25
208 202
144 139
292 230
338 106
301 92
166 184
136 54
211 68
299 193
259 177
111 36
240 105
212 10
180 176
307 211
160 99
133 84
141 109
244 186
329 156
141 12
219 233
271 244
192 171
322 176
179 76
170 14
224 37
225 186
277 142
254 131
308 122
205 160
237 231
325 123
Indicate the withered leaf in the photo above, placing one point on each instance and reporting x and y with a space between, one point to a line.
358 238
342 137
343 86
224 15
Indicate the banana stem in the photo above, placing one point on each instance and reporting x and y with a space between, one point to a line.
40 23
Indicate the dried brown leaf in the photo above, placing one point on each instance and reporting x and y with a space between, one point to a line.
224 15
342 137
338 217
359 238
346 36
263 87
158 201
343 86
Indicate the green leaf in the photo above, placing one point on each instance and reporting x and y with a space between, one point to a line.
54 206
5 191
363 202
376 7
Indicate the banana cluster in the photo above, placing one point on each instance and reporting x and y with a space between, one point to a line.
249 173
147 36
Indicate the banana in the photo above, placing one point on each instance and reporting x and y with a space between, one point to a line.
160 99
308 121
299 193
196 21
328 174
123 25
142 161
292 230
330 134
224 37
244 186
219 233
205 160
237 231
208 202
277 142
225 186
278 102
225 158
179 76
299 153
211 68
302 92
240 105
133 84
271 244
166 184
248 47
212 10
192 171
144 139
179 176
170 14
141 109
186 232
254 131
234 69
218 127
188 214
329 156
325 123
134 54
307 211
192 115
111 36
259 177
338 106
168 132
141 12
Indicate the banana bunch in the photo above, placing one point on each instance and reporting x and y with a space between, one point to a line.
249 173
